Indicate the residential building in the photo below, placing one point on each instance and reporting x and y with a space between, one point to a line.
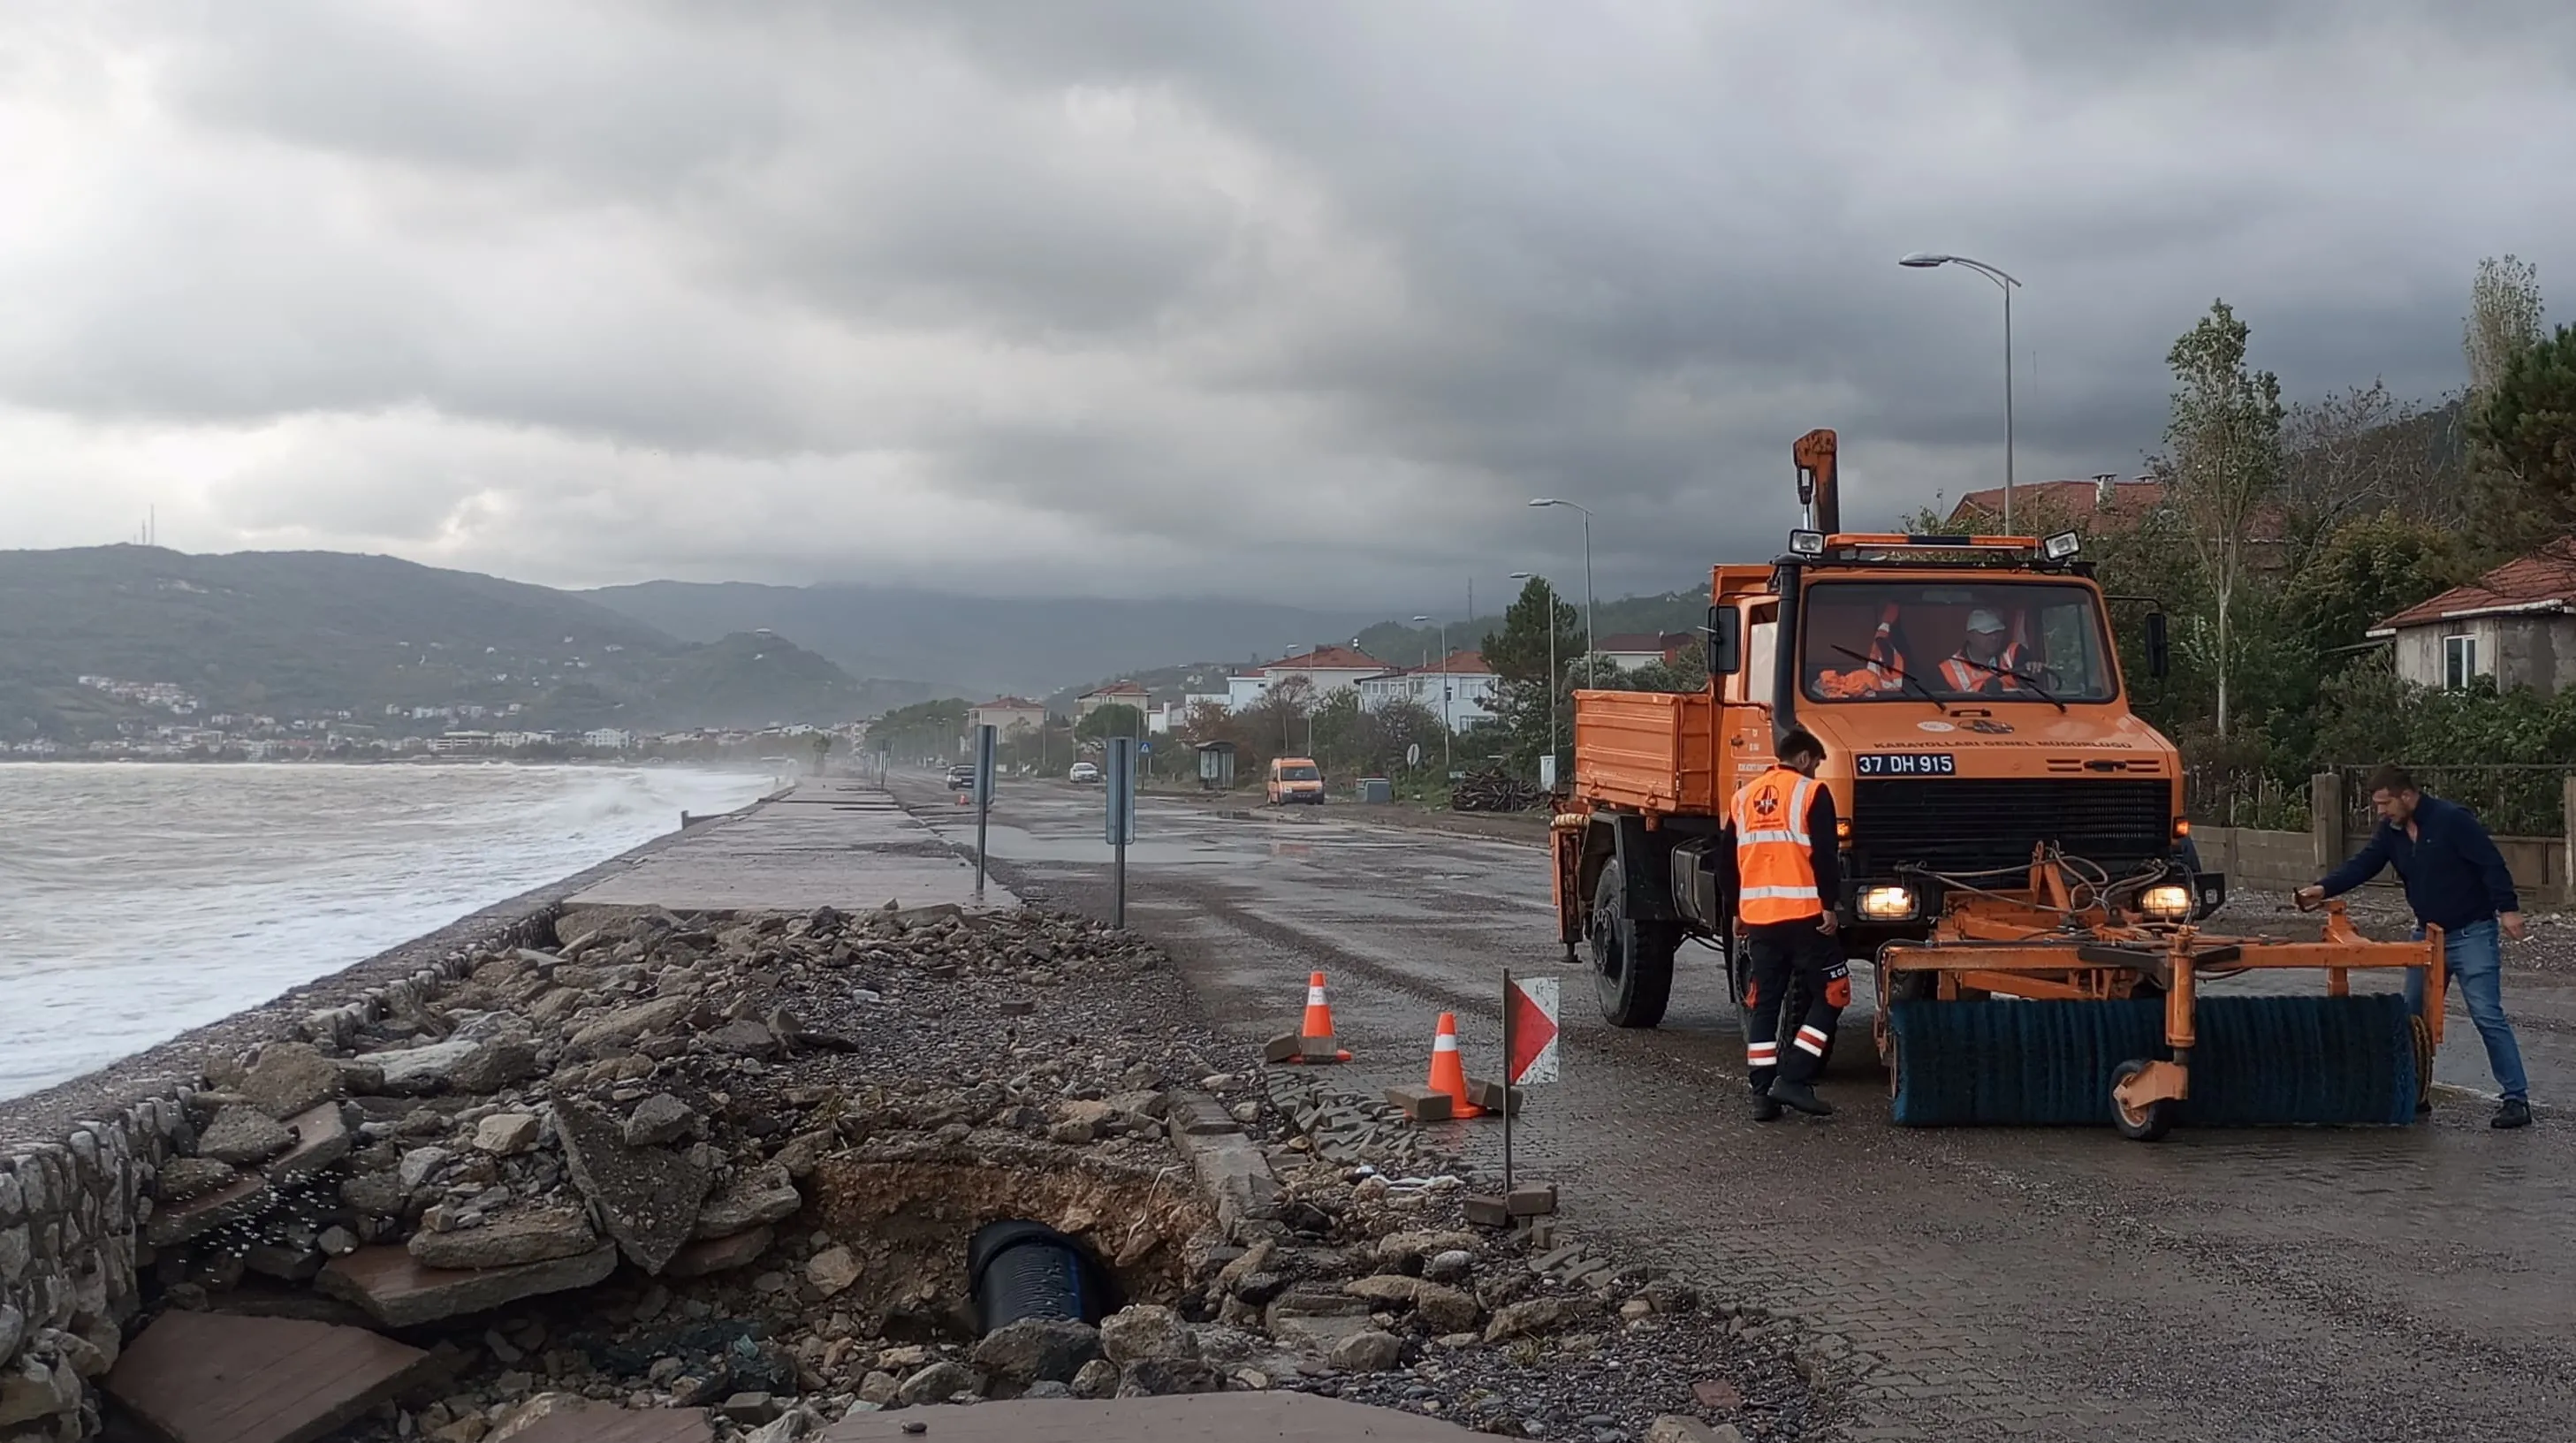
1007 714
2516 624
1116 693
1473 690
608 739
1630 650
455 743
1325 669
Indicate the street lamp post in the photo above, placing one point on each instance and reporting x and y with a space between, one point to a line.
1591 641
1926 260
1448 723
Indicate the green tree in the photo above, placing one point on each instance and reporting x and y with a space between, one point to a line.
1117 719
2503 325
2222 469
2372 567
1519 652
822 745
2526 427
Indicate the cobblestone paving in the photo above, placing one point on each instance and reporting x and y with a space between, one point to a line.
2285 1284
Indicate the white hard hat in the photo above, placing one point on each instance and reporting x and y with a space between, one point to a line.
1984 620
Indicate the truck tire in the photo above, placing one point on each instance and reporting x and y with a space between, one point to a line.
1632 961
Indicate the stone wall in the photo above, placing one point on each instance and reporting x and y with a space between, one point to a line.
75 1213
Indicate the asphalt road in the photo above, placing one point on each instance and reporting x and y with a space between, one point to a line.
2290 1284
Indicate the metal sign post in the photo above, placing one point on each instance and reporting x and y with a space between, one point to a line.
984 737
1508 1109
1120 828
1530 1013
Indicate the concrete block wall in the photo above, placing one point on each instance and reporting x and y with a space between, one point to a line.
72 1212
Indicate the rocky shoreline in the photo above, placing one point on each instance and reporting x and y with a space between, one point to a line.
734 1165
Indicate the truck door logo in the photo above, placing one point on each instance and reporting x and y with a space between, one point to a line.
1934 726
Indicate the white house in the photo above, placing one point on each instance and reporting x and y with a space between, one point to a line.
1326 669
608 739
1473 690
1116 693
2516 624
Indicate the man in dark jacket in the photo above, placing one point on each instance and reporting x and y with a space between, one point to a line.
2455 880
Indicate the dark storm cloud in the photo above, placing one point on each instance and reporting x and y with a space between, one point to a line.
1291 300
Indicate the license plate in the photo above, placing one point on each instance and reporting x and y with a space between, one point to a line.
1906 764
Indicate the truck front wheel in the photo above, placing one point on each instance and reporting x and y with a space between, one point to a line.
1632 961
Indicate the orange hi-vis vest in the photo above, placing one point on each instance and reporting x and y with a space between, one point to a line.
1966 675
1775 868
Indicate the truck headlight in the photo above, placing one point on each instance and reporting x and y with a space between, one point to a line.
2166 901
1886 904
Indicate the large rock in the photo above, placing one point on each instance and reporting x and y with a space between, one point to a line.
659 1119
648 1197
244 1137
755 1198
1368 1352
720 1255
1161 1377
290 1077
398 1291
1035 1349
31 1389
13 1330
485 1055
1145 1330
322 1138
832 1270
535 1236
1538 1315
937 1384
1446 1310
628 1023
186 1177
507 1134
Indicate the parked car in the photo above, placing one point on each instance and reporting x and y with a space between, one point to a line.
1295 779
961 778
1083 774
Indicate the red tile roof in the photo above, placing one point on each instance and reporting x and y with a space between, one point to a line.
1459 663
2129 499
1117 688
2544 580
1329 658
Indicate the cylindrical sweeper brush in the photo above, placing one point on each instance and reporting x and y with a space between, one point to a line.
2257 1061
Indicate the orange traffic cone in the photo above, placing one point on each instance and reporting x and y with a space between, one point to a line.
1448 1075
1313 1040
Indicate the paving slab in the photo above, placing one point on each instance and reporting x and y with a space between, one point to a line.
1192 1418
828 843
210 1378
399 1292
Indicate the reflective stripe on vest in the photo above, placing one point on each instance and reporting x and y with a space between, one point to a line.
1774 865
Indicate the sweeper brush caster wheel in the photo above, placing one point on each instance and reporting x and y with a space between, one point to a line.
2145 1122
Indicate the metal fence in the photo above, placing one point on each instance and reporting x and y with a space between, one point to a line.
2513 801
2219 796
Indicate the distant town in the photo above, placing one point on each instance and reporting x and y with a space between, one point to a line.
397 733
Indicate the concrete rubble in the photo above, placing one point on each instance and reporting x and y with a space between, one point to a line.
731 1165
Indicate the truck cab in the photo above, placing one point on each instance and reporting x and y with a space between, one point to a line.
1975 719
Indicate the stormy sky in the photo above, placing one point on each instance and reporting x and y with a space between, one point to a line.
1298 302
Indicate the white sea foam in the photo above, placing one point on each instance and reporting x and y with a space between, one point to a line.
138 901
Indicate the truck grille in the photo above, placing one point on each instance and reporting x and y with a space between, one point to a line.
1969 824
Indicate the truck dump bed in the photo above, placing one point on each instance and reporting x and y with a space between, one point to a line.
1653 751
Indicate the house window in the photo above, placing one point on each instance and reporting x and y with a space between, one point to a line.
2459 661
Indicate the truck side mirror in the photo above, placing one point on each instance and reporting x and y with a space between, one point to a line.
2159 646
1725 641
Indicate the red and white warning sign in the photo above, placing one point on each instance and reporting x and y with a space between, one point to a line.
1533 1003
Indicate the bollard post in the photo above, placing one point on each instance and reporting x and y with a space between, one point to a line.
983 799
2567 842
1120 827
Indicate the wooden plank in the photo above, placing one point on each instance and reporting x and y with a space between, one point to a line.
213 1378
1193 1418
601 1423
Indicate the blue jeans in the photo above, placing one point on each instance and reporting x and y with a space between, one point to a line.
2474 957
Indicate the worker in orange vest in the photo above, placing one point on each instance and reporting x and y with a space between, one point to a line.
1787 876
1985 662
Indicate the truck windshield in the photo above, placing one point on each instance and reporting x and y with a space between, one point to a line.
1971 641
1299 774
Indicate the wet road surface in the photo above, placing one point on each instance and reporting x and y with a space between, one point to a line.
2288 1284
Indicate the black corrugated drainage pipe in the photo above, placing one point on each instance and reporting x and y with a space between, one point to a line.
1020 1269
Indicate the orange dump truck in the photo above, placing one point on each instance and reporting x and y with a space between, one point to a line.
2012 834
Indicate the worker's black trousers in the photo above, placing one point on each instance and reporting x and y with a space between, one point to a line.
1776 953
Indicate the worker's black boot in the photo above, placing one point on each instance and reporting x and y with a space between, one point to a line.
1764 1109
1801 1096
2514 1113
